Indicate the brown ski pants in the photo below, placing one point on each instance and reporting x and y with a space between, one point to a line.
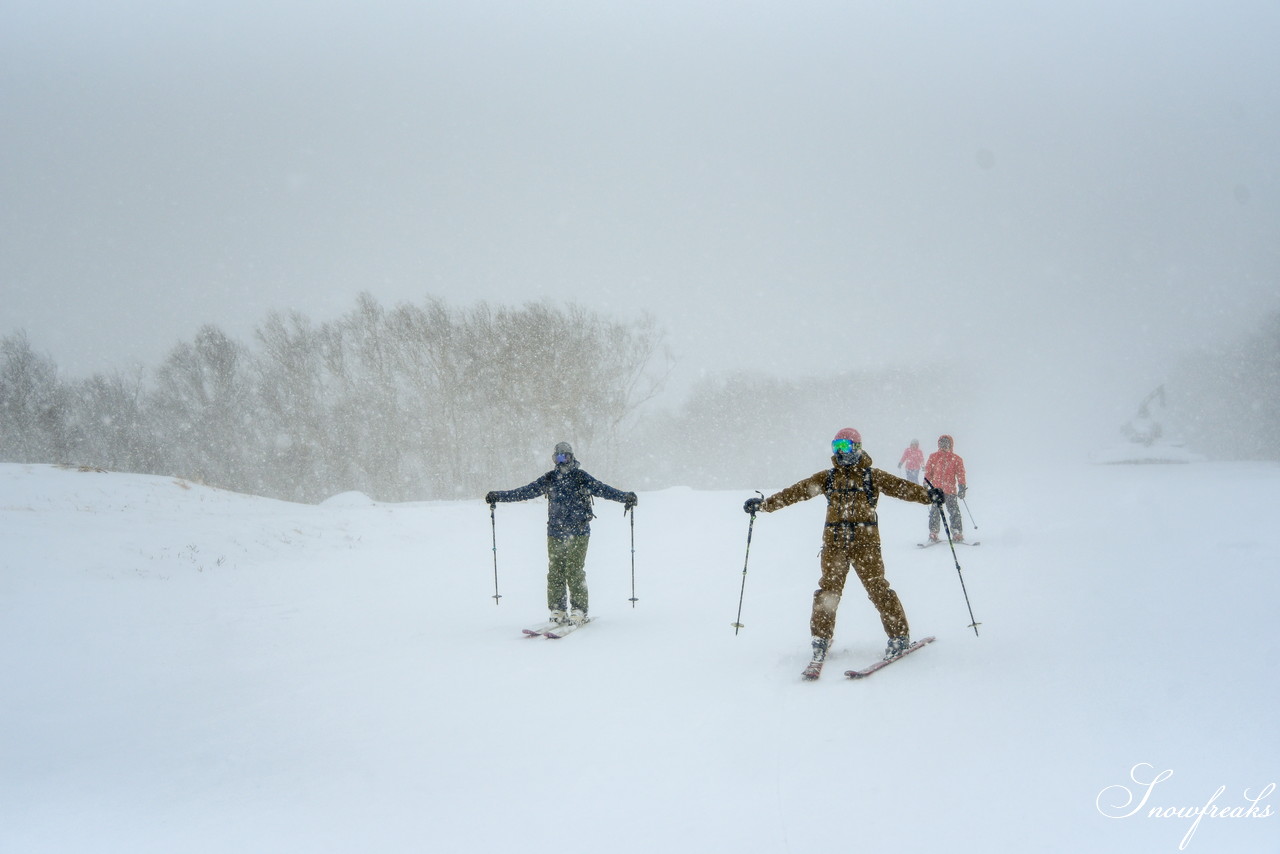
842 547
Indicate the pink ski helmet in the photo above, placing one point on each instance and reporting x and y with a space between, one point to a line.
851 434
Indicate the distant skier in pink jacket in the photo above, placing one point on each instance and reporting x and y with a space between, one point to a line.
913 459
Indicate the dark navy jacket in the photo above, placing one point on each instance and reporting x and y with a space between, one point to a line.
569 494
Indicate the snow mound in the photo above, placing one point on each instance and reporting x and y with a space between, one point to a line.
353 498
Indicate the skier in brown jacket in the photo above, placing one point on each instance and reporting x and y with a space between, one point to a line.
850 537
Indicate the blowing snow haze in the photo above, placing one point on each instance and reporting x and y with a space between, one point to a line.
1054 199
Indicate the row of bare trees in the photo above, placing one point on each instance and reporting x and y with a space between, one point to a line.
753 430
427 401
413 402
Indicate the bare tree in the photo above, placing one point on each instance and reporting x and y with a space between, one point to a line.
33 414
293 387
201 402
109 424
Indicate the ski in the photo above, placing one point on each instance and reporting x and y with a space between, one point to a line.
564 629
539 631
930 543
862 674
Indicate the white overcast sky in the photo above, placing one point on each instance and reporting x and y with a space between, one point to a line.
1068 187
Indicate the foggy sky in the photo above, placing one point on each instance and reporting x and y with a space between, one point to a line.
1057 194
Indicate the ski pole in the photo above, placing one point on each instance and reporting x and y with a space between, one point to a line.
742 594
966 507
493 523
633 599
973 623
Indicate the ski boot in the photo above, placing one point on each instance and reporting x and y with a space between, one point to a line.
897 646
820 647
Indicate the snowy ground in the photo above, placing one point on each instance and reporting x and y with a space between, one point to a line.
190 670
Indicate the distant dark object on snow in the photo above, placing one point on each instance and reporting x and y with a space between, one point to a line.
1147 442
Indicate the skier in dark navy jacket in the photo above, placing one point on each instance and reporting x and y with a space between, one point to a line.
569 490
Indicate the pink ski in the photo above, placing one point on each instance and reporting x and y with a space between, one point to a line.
565 629
862 674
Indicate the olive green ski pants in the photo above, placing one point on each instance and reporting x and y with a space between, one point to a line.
567 573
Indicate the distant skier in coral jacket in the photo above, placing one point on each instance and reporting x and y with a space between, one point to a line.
569 490
945 470
913 459
851 537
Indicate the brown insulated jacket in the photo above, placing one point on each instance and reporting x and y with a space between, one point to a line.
854 491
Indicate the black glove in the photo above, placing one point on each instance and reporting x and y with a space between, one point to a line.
936 496
491 498
962 491
629 500
752 505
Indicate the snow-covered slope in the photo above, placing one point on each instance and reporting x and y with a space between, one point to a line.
190 670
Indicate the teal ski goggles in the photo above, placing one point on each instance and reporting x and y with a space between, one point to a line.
845 446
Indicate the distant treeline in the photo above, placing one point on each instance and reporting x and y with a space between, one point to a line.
427 402
411 403
755 431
